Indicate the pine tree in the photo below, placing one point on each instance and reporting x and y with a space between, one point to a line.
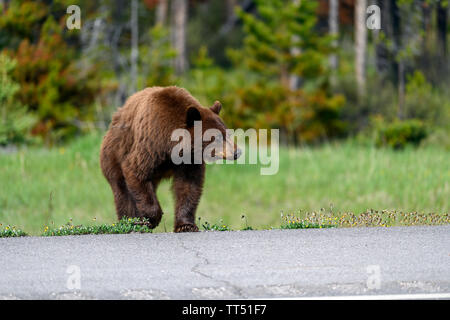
53 86
305 114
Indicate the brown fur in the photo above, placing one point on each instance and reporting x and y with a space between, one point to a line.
135 154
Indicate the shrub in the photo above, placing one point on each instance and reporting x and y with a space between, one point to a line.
15 122
400 133
56 90
424 102
156 59
307 114
11 231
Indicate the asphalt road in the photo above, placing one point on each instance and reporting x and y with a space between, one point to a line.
223 265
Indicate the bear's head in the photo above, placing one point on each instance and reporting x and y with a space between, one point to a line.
215 141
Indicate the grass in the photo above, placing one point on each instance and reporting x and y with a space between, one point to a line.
125 225
370 218
40 186
11 231
215 226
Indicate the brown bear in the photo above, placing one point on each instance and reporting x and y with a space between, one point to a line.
136 153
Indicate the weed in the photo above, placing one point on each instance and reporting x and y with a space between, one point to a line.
126 225
247 227
215 227
11 231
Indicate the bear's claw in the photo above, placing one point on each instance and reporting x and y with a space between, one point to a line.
144 223
187 228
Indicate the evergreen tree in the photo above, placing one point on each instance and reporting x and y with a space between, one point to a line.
15 123
281 40
54 87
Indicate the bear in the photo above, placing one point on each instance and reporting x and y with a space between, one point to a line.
136 151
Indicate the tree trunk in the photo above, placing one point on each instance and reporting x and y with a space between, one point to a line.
426 22
381 51
401 89
333 24
179 18
134 45
395 37
294 80
442 30
398 65
119 20
230 8
360 45
161 12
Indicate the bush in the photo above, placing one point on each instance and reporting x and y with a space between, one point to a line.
15 122
424 102
399 133
307 114
58 91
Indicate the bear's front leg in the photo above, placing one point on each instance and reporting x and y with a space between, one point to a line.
187 186
144 195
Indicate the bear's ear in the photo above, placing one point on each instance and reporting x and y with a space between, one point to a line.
216 107
192 115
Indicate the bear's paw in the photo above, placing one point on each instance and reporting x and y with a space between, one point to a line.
187 228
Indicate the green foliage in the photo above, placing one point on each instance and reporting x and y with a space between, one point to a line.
438 137
424 102
273 35
156 59
215 227
58 91
400 133
281 42
369 218
11 231
351 176
207 82
125 225
246 227
15 122
303 225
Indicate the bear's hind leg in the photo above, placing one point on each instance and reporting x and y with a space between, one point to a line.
187 187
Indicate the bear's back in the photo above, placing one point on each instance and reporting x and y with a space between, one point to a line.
155 102
148 119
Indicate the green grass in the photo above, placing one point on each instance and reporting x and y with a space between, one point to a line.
11 231
44 187
370 218
215 226
126 225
